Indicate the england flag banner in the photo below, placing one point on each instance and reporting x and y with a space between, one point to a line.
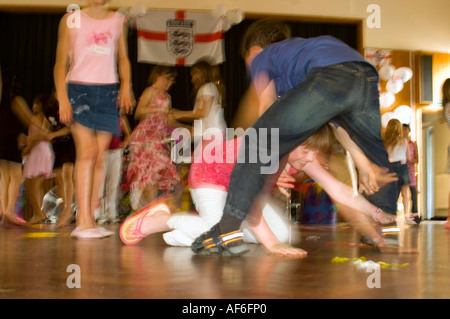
179 37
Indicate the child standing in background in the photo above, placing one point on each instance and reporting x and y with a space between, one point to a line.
107 212
39 157
397 147
150 168
208 106
412 217
64 149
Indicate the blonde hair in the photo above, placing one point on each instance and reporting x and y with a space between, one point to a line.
159 70
321 140
393 134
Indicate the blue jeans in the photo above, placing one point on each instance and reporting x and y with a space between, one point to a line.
346 93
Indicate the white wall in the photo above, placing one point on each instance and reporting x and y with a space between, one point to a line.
405 24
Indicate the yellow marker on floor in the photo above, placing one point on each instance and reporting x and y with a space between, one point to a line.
40 235
356 261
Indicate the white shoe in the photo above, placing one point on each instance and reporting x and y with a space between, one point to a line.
105 232
91 233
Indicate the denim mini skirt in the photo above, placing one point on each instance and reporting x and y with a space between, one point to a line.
95 106
402 171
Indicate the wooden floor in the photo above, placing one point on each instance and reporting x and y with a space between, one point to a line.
34 264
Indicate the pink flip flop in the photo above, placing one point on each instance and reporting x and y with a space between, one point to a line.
138 217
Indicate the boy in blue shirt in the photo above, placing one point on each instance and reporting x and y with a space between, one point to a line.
299 85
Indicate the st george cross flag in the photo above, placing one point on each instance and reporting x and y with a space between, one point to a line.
179 37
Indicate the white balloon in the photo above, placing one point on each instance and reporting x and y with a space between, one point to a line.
387 99
403 113
386 72
386 117
124 11
404 73
219 11
138 9
226 25
394 86
235 16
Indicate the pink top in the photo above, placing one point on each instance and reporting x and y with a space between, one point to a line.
94 49
212 169
411 166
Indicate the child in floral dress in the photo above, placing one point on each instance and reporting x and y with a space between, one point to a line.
150 168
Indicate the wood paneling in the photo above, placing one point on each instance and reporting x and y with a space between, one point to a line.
440 72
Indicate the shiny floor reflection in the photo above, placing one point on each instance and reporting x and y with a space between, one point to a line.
36 263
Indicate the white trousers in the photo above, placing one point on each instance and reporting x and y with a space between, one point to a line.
209 204
111 179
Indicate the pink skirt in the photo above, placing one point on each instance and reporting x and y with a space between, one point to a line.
40 161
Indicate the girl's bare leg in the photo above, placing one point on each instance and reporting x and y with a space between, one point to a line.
65 188
86 155
11 177
103 141
35 196
4 182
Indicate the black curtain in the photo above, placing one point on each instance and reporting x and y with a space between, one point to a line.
28 48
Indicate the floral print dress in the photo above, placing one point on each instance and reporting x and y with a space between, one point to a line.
150 162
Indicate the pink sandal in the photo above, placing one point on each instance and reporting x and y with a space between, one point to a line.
138 217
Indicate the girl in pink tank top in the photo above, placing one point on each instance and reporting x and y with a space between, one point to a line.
93 41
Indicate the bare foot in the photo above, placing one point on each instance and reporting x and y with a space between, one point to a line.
447 223
65 219
12 221
151 224
383 218
37 219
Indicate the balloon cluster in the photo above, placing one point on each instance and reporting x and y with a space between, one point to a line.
395 79
402 113
138 9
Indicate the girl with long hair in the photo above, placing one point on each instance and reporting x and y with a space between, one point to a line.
397 145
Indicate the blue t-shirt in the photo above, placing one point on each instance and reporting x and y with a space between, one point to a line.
288 61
